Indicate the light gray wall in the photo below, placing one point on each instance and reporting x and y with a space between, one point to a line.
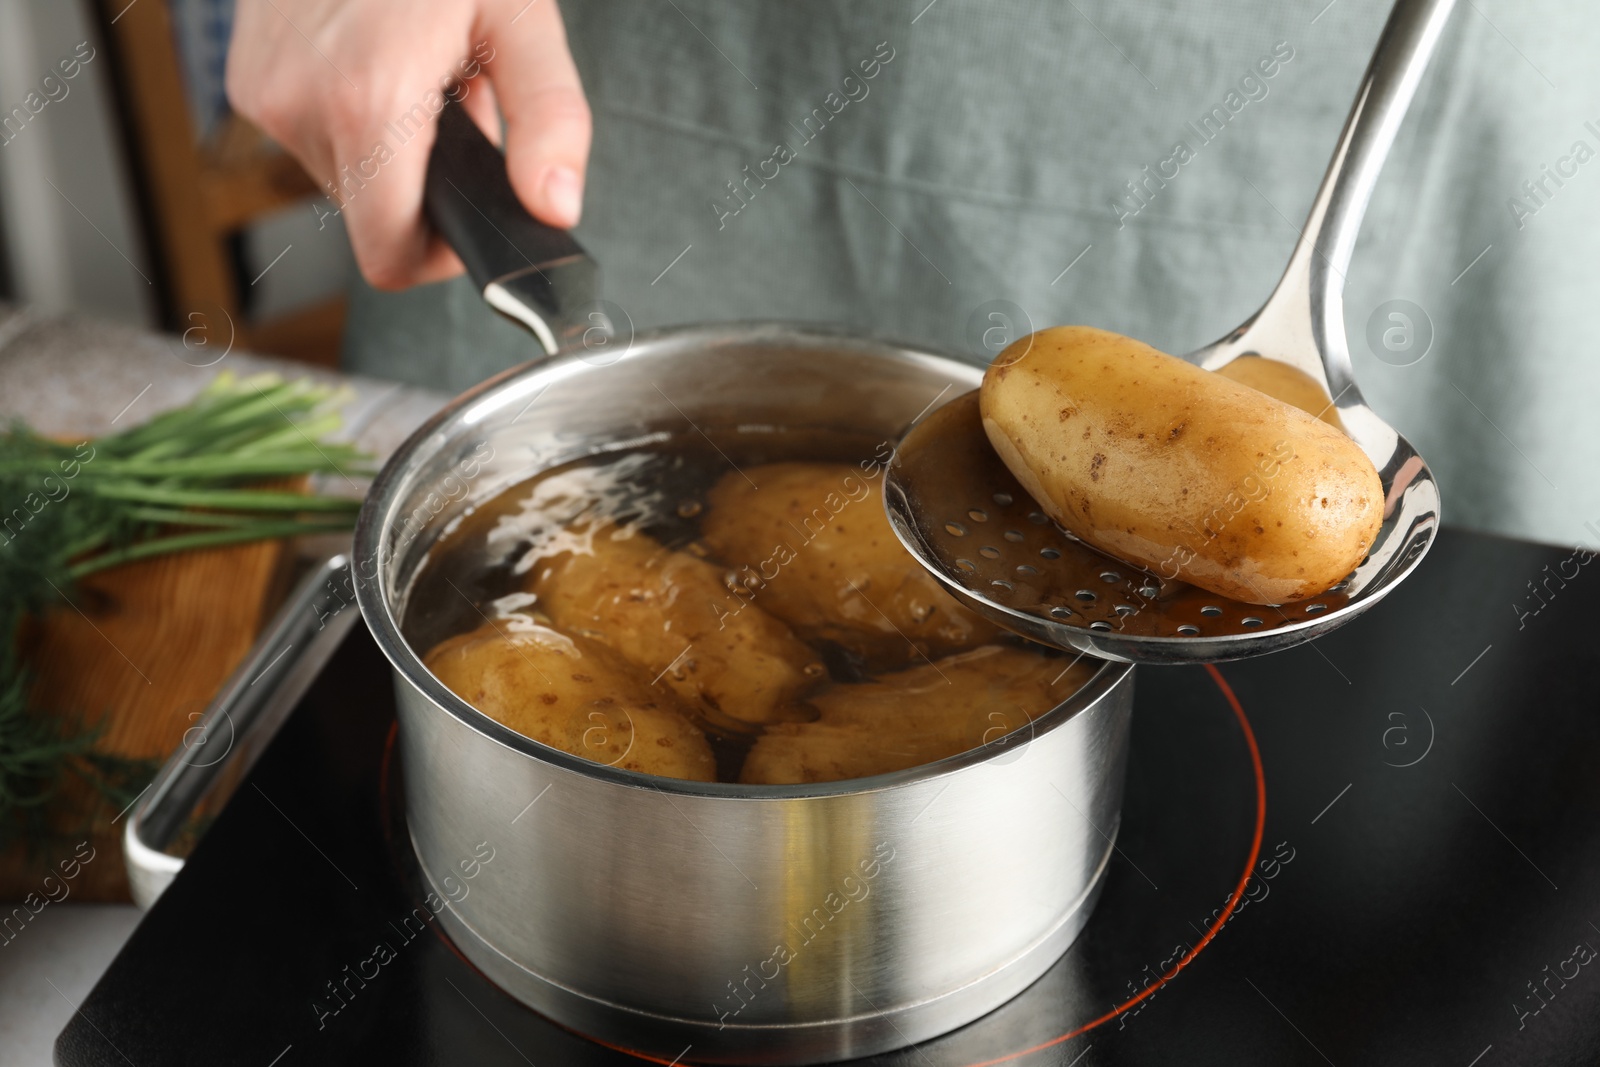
72 236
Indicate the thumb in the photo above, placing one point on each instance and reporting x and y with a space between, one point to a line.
547 117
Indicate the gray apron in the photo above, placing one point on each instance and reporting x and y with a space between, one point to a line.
947 173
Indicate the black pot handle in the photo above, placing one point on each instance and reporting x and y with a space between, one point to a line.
537 275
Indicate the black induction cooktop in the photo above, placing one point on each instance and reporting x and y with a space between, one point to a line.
1419 850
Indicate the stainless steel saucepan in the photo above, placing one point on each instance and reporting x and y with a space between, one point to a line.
780 924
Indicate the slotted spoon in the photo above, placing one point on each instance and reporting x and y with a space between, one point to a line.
962 514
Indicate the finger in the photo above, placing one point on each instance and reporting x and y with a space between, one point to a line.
547 117
262 81
382 167
479 100
439 260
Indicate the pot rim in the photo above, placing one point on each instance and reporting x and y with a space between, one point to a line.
374 520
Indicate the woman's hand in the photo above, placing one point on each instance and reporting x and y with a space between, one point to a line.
353 88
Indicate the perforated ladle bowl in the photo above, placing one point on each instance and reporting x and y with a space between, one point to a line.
967 519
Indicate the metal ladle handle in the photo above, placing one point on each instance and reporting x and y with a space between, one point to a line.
1310 295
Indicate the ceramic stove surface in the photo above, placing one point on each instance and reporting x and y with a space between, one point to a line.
1410 873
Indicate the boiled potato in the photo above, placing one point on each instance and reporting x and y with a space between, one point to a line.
915 716
813 546
572 694
671 615
1288 384
1179 470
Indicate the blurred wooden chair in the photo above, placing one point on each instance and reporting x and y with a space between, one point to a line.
197 195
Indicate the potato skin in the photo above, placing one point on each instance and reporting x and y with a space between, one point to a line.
1289 384
915 716
671 614
572 694
1179 470
813 546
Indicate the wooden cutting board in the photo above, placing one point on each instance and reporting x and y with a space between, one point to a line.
142 651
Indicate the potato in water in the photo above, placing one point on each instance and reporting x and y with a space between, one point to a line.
652 611
810 543
572 694
666 612
1179 470
915 716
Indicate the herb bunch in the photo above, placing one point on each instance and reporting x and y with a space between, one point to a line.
181 481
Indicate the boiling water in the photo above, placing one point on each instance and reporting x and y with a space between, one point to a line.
479 571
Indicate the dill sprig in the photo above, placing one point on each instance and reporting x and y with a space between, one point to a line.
180 481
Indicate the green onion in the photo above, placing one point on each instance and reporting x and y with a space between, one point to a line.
179 482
